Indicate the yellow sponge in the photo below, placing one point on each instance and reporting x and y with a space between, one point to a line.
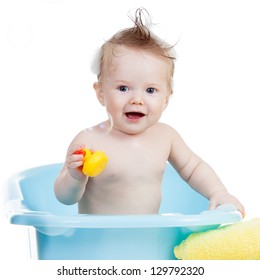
240 241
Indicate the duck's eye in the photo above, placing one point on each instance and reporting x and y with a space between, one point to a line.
150 90
123 88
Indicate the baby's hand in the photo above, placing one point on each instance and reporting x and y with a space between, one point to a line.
223 197
74 162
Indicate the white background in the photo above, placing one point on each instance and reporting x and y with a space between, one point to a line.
46 94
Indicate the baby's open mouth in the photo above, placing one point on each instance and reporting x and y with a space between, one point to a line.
134 115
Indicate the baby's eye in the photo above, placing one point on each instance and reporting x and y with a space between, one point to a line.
150 90
123 88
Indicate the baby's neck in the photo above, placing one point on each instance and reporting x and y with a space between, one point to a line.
118 133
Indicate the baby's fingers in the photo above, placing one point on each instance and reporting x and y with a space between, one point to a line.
213 205
74 165
74 161
75 149
241 209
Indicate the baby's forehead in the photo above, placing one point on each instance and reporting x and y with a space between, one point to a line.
106 54
106 58
118 52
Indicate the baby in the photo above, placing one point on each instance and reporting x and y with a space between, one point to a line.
134 84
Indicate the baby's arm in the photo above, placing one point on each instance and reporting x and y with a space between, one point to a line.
199 175
70 185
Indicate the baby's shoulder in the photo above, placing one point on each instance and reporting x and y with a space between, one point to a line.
90 134
167 132
166 129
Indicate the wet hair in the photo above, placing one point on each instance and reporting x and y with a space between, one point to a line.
137 37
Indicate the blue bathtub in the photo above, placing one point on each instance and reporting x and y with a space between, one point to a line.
60 233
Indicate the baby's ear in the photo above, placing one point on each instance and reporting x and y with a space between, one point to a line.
99 93
166 101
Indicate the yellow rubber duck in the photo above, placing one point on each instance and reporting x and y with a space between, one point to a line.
94 162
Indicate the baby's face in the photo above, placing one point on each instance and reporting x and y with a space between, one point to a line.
134 89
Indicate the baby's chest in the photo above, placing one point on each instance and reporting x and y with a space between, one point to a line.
134 157
135 163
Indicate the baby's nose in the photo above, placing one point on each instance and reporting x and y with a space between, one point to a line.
136 99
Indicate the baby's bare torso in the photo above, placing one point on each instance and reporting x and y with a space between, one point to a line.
131 181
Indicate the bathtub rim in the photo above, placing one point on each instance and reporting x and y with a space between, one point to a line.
19 214
45 219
